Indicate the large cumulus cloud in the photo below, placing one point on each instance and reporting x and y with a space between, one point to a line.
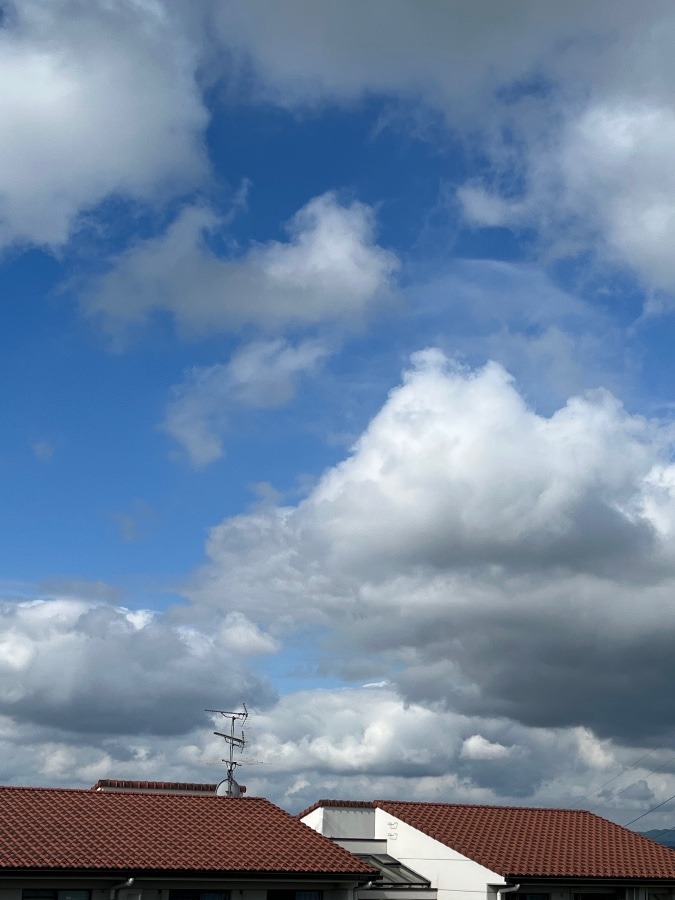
486 557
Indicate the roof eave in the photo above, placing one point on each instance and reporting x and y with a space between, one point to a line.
602 879
193 874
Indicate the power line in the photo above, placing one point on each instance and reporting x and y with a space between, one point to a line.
623 771
633 783
663 833
663 803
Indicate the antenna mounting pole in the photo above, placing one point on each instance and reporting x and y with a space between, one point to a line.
232 741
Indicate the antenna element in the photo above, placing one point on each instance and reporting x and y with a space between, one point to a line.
229 787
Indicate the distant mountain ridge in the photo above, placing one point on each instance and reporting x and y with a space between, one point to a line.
665 836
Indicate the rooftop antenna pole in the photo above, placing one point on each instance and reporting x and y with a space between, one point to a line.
232 789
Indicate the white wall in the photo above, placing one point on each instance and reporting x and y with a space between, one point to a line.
315 820
341 822
454 876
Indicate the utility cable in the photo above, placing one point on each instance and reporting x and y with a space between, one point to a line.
633 783
663 803
623 771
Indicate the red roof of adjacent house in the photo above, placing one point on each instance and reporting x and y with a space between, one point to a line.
53 829
516 841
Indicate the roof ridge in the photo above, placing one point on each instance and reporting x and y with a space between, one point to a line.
565 809
201 795
366 804
32 787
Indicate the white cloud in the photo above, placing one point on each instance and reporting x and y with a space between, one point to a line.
74 666
97 99
330 269
261 375
549 340
603 179
589 166
478 554
478 747
488 210
454 470
616 161
596 754
457 460
243 637
582 92
311 52
365 743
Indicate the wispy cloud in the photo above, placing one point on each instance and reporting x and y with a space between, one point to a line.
262 375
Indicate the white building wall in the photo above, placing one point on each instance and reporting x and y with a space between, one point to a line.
315 820
348 823
455 876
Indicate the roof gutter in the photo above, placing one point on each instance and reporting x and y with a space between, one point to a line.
123 884
507 889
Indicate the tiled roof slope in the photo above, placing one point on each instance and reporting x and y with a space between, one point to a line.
527 842
522 841
54 829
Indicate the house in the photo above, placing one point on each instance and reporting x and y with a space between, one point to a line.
162 841
472 852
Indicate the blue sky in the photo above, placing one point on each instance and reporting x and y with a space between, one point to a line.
337 380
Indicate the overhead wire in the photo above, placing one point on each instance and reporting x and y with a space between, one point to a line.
623 771
637 818
633 783
663 833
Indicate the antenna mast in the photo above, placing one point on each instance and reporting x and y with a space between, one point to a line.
232 789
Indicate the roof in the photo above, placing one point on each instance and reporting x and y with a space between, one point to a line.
55 829
183 787
516 841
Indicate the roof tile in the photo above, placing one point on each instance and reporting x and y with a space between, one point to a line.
518 841
51 829
533 842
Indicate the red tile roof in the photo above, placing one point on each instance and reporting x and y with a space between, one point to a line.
527 842
183 787
55 829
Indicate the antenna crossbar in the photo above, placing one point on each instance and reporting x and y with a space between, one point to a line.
232 740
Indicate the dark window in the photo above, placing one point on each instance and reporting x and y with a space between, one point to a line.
295 895
600 895
196 894
53 894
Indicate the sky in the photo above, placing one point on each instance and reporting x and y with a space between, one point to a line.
336 353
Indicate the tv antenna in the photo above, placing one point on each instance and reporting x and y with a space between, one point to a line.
229 787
